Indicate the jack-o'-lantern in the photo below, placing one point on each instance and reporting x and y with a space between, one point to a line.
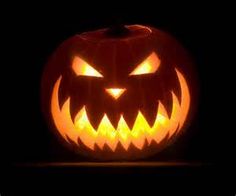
120 93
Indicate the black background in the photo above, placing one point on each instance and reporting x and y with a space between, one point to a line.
34 32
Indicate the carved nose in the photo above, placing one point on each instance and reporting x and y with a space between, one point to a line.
115 92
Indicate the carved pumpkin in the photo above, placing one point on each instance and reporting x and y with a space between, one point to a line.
118 93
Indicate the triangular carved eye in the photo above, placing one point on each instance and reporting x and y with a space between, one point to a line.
148 66
82 68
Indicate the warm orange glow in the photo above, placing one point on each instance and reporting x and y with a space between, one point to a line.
148 66
115 92
107 134
82 68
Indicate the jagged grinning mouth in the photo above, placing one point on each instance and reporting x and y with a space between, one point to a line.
82 129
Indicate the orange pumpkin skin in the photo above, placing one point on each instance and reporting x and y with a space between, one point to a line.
157 79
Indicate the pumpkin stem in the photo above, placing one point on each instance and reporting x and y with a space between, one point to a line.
118 30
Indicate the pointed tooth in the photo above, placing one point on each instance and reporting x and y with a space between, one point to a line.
113 117
149 139
130 117
177 91
150 113
75 105
160 127
124 133
81 119
185 98
162 116
84 129
112 144
106 134
151 132
160 134
167 102
65 122
139 131
175 115
95 116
